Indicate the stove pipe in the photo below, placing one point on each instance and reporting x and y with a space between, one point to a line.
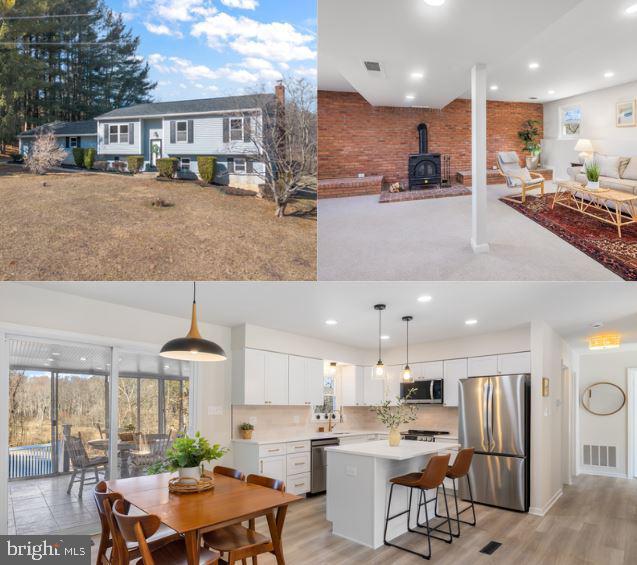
423 139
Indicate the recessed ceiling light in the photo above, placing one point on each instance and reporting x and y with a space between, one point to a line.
435 3
417 76
82 358
166 366
410 97
425 298
494 87
385 337
50 359
597 324
471 322
551 91
632 9
533 66
331 322
55 353
609 74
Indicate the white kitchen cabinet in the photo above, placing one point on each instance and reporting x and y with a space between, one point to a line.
306 381
454 370
433 370
260 377
514 363
274 467
373 388
484 366
393 376
351 384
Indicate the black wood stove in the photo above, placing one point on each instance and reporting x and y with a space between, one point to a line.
424 168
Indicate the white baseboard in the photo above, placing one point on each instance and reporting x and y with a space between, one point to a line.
480 247
542 511
602 473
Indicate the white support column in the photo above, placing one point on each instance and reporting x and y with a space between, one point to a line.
4 435
113 414
479 240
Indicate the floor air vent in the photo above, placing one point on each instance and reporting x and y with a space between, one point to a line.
600 455
490 547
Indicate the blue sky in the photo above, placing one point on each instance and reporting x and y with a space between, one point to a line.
208 48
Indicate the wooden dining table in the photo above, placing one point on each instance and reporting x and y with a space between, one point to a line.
229 502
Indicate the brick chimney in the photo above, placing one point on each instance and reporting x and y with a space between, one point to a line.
279 92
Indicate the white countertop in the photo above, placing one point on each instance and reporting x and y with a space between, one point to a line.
381 449
310 436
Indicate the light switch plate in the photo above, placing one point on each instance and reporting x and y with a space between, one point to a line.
215 410
253 420
351 471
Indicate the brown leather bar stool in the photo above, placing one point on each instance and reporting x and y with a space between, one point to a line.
457 471
431 478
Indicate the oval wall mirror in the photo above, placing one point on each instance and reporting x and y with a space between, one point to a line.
603 399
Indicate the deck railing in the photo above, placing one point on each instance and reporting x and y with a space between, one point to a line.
30 461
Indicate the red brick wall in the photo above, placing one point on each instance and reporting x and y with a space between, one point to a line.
355 137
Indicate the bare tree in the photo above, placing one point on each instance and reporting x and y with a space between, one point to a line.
286 140
44 154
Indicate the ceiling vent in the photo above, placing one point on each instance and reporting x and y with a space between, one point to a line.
372 66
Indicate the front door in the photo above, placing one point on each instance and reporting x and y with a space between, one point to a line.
155 151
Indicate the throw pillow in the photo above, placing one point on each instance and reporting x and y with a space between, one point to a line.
630 172
623 163
608 166
523 173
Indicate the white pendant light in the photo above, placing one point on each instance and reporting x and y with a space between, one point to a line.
407 375
193 347
380 366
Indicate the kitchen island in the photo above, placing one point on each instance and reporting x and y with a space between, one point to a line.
358 486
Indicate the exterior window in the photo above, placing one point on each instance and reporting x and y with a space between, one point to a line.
236 129
123 134
182 132
72 141
240 166
570 121
113 134
184 164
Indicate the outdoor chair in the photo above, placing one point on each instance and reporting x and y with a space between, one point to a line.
82 463
151 448
518 177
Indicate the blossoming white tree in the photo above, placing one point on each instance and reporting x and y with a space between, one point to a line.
44 154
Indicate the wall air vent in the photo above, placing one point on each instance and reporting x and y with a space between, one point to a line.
600 455
372 66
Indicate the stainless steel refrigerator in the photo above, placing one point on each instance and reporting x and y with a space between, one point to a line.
494 414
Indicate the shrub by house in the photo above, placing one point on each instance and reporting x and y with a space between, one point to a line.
89 157
135 163
167 167
78 156
207 168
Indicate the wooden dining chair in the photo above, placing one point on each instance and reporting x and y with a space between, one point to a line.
111 538
229 472
139 529
241 543
82 463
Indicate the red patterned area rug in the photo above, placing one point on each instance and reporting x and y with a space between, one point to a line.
595 238
407 195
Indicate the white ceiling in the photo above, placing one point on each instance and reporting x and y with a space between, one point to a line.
574 41
302 308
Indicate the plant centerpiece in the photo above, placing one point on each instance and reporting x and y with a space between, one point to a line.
592 174
186 456
246 430
530 137
393 415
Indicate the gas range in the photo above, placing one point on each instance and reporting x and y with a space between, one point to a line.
422 435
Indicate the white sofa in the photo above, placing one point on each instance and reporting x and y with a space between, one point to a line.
619 173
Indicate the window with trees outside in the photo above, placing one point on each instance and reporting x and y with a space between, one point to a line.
236 129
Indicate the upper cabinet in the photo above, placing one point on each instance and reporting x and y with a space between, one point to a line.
350 386
265 377
306 381
505 364
484 366
373 388
454 370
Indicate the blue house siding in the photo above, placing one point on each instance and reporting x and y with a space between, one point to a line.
86 141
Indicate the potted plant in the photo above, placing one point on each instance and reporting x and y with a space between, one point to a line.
393 415
530 137
246 430
186 456
592 175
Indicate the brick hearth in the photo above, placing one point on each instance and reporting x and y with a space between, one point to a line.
340 188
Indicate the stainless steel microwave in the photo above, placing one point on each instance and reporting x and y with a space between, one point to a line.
427 392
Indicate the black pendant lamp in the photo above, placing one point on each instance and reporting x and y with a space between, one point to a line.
193 347
408 376
380 366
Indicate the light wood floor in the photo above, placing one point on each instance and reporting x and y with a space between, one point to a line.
595 522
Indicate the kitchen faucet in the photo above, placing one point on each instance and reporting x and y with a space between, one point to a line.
330 422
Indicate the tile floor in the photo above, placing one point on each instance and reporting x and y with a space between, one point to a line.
43 506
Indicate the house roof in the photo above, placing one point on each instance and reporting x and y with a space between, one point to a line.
85 127
203 105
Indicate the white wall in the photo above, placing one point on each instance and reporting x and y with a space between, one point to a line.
510 341
598 125
610 366
23 305
546 418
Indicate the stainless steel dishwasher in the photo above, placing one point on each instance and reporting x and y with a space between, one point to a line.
319 463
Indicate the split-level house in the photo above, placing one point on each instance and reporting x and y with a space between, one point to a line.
222 127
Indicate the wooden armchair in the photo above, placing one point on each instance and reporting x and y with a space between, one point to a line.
82 463
517 177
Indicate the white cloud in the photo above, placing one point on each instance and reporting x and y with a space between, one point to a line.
162 29
306 72
184 10
242 4
256 63
276 41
